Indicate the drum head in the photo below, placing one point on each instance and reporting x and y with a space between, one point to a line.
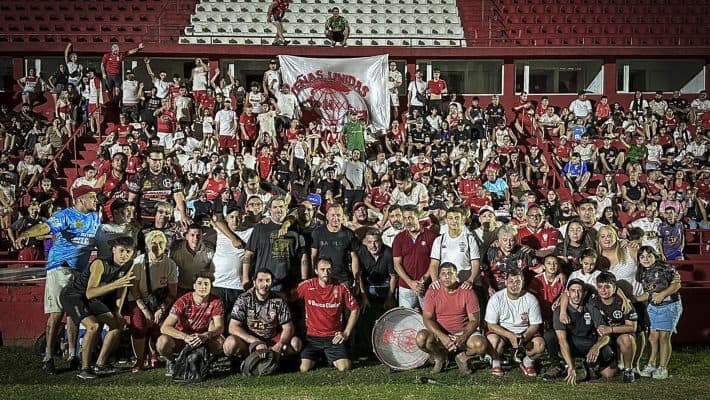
394 339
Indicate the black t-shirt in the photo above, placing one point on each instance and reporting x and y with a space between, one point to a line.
582 324
609 154
283 173
440 170
613 314
418 136
376 273
279 254
334 186
337 247
495 114
633 192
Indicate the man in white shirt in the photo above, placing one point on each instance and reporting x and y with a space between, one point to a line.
226 122
409 192
132 93
195 164
287 106
160 82
394 81
699 106
581 107
457 247
649 224
514 319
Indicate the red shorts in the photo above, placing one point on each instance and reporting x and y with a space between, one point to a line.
228 142
94 108
198 95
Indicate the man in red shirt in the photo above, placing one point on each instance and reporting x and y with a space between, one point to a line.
195 319
524 112
325 302
469 184
410 251
111 64
437 89
451 317
543 239
480 200
562 153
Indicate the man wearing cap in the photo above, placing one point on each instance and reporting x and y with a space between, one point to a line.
578 338
282 253
226 124
75 230
271 81
132 94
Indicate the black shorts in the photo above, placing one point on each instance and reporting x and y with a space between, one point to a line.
315 346
78 307
337 36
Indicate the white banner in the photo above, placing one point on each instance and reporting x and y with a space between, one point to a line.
333 86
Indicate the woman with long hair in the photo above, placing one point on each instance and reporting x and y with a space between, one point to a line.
661 283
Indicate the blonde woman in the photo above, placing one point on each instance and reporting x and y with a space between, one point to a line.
153 292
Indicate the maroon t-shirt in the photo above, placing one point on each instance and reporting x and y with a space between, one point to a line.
193 317
414 252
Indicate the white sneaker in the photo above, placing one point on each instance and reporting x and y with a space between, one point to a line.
660 373
648 371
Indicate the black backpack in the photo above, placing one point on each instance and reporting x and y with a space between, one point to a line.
192 365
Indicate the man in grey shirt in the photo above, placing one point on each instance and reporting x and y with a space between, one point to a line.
353 180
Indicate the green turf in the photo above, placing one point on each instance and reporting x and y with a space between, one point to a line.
21 378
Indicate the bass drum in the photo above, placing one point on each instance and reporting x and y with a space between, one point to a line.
394 339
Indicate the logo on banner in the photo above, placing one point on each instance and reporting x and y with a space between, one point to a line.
332 95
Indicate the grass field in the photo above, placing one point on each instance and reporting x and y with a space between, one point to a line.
21 378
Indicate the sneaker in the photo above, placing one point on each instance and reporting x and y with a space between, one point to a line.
497 371
462 364
648 371
628 376
591 372
74 363
528 371
439 364
106 369
86 374
48 367
553 373
660 373
169 368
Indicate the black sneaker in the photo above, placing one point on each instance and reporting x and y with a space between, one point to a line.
553 373
74 363
590 371
106 369
169 368
629 376
48 367
86 374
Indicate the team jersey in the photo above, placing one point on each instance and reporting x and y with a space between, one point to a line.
112 63
262 319
151 189
613 314
193 317
325 306
75 238
657 279
514 315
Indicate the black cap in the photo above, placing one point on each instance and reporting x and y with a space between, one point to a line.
576 281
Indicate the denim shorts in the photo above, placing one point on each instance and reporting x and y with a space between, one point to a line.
665 317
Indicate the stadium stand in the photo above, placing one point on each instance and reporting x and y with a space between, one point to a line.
413 23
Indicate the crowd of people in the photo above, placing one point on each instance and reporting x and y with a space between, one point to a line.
225 218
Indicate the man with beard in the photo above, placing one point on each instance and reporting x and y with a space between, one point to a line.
536 235
154 185
394 219
339 244
261 321
452 319
192 257
514 319
586 210
281 172
75 230
411 250
455 246
282 254
505 258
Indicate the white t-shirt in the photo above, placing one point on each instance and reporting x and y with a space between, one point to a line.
654 153
513 315
415 87
130 92
588 279
226 120
271 76
163 88
287 104
228 261
419 192
199 79
650 231
580 108
459 250
162 273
